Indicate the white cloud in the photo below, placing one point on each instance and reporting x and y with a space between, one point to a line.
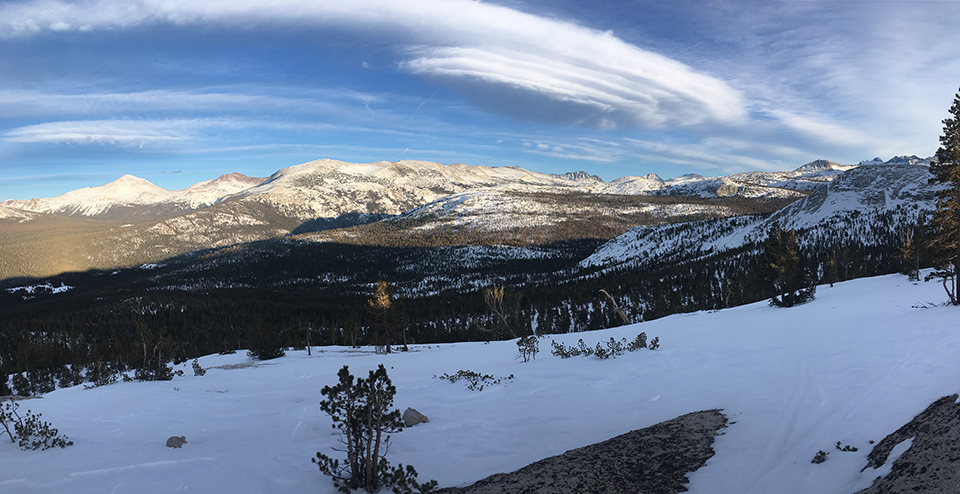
130 133
479 48
40 103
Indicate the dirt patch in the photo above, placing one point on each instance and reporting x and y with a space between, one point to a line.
654 460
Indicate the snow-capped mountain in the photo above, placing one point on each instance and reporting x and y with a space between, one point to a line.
18 215
152 223
130 197
327 188
213 191
753 184
866 205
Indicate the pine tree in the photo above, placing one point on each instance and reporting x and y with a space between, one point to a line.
793 283
944 240
361 409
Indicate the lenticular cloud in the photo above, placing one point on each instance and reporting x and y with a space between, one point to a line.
559 69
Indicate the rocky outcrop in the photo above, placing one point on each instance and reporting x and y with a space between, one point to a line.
654 460
932 463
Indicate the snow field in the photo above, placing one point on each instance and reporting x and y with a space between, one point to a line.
853 365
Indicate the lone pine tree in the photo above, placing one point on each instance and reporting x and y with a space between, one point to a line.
944 239
793 282
361 409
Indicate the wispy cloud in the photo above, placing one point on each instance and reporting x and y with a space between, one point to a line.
32 103
593 77
130 133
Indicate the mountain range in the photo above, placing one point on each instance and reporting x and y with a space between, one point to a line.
132 221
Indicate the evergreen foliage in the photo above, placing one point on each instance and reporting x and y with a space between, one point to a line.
264 342
529 347
29 430
794 284
608 349
361 410
944 240
475 381
197 369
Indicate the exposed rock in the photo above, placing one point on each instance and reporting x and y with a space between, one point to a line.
176 441
932 463
646 461
412 417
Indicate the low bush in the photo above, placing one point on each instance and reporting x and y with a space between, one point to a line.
29 431
475 380
608 349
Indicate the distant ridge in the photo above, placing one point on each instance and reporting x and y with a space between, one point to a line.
137 222
580 176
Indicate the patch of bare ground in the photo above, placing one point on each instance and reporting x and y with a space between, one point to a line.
654 460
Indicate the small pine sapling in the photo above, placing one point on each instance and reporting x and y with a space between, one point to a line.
529 347
848 448
197 370
639 342
655 343
361 410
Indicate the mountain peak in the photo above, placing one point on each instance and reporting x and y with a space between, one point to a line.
818 166
578 176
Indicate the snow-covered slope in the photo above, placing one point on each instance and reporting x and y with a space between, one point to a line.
864 206
213 191
851 366
92 201
17 215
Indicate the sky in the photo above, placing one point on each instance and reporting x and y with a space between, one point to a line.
181 91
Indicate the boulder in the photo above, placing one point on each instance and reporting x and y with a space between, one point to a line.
412 417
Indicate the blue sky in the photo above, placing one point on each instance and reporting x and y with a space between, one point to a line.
179 91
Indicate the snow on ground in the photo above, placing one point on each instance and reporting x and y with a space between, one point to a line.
852 366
